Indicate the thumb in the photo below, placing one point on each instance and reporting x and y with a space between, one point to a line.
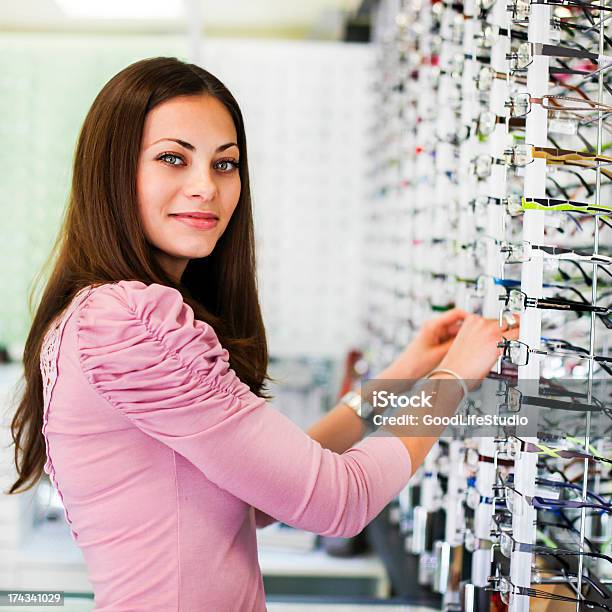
452 316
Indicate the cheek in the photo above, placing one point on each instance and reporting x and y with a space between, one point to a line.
149 190
144 203
152 188
232 195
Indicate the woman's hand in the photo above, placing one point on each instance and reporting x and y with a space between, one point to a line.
474 350
427 348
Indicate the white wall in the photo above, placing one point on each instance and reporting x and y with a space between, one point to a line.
306 108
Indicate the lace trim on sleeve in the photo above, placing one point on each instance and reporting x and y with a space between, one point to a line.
49 370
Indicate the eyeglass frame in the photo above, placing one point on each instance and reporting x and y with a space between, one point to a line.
508 345
512 589
549 252
554 204
524 100
530 49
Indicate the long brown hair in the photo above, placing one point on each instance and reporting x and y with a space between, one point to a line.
102 240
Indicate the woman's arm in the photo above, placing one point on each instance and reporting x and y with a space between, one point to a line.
338 430
341 428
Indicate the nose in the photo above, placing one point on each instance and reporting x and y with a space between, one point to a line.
202 184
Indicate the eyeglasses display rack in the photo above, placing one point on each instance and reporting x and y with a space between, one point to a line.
491 183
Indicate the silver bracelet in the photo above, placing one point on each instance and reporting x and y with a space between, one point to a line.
363 409
454 374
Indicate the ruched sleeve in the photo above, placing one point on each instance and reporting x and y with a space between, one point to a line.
144 352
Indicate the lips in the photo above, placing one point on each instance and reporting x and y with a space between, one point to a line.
200 221
196 215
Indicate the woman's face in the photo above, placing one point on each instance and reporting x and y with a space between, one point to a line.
188 164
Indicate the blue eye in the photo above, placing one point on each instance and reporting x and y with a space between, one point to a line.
172 156
234 164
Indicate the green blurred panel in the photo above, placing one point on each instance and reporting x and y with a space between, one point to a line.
47 84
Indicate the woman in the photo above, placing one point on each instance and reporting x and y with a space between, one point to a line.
146 362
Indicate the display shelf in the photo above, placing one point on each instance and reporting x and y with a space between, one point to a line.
501 195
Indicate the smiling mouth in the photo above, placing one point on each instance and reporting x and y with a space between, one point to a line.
196 215
203 222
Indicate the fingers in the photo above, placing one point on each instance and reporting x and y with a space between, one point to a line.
507 331
512 333
469 323
452 316
489 330
511 327
484 335
448 324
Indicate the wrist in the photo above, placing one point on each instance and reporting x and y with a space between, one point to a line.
453 366
361 407
451 374
395 371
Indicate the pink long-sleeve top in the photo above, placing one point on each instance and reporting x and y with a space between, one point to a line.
161 456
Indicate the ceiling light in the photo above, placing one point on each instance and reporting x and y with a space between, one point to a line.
122 9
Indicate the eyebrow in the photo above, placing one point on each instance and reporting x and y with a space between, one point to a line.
190 147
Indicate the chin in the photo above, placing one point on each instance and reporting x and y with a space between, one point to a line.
198 253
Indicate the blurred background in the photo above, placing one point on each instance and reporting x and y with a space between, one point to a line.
395 175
